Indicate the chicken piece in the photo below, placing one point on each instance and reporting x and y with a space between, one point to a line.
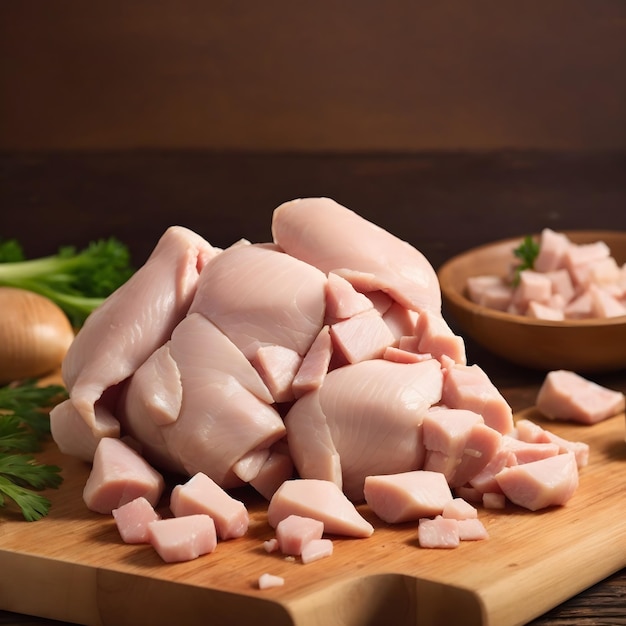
472 529
226 403
321 500
316 549
132 520
223 418
278 367
150 400
400 320
294 532
459 509
135 320
362 337
315 364
485 481
268 581
526 452
440 532
566 395
315 229
157 383
257 296
552 249
275 471
458 444
343 300
438 339
72 433
179 539
118 475
365 419
407 496
201 495
548 482
469 387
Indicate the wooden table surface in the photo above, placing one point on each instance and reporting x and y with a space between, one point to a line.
441 203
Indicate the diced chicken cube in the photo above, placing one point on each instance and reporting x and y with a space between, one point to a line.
493 500
118 475
314 365
399 320
532 286
362 337
275 471
438 339
322 500
268 581
604 304
202 495
459 509
566 395
271 545
132 520
316 549
541 311
294 532
407 496
552 248
472 529
458 444
469 387
343 300
185 538
277 367
526 452
540 484
439 532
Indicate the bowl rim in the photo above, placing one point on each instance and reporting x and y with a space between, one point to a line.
457 297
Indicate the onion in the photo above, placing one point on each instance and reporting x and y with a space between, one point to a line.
35 335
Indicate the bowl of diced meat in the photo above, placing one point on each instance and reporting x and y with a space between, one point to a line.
545 301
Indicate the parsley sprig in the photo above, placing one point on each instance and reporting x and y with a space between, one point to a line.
526 252
24 426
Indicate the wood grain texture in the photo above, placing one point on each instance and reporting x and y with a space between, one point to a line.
443 203
343 76
73 566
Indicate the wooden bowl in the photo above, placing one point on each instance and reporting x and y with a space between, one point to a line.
589 345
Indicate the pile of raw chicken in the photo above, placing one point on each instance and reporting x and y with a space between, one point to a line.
321 355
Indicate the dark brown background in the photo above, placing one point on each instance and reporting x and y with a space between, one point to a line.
398 75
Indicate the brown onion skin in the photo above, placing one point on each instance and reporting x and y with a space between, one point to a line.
35 335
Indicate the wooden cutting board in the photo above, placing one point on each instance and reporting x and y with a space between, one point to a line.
72 565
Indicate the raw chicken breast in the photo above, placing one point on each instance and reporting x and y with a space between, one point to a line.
439 532
408 496
316 549
294 532
135 320
132 520
320 500
118 475
222 418
179 539
469 387
199 495
333 238
72 433
226 413
549 482
365 419
566 395
258 297
458 444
